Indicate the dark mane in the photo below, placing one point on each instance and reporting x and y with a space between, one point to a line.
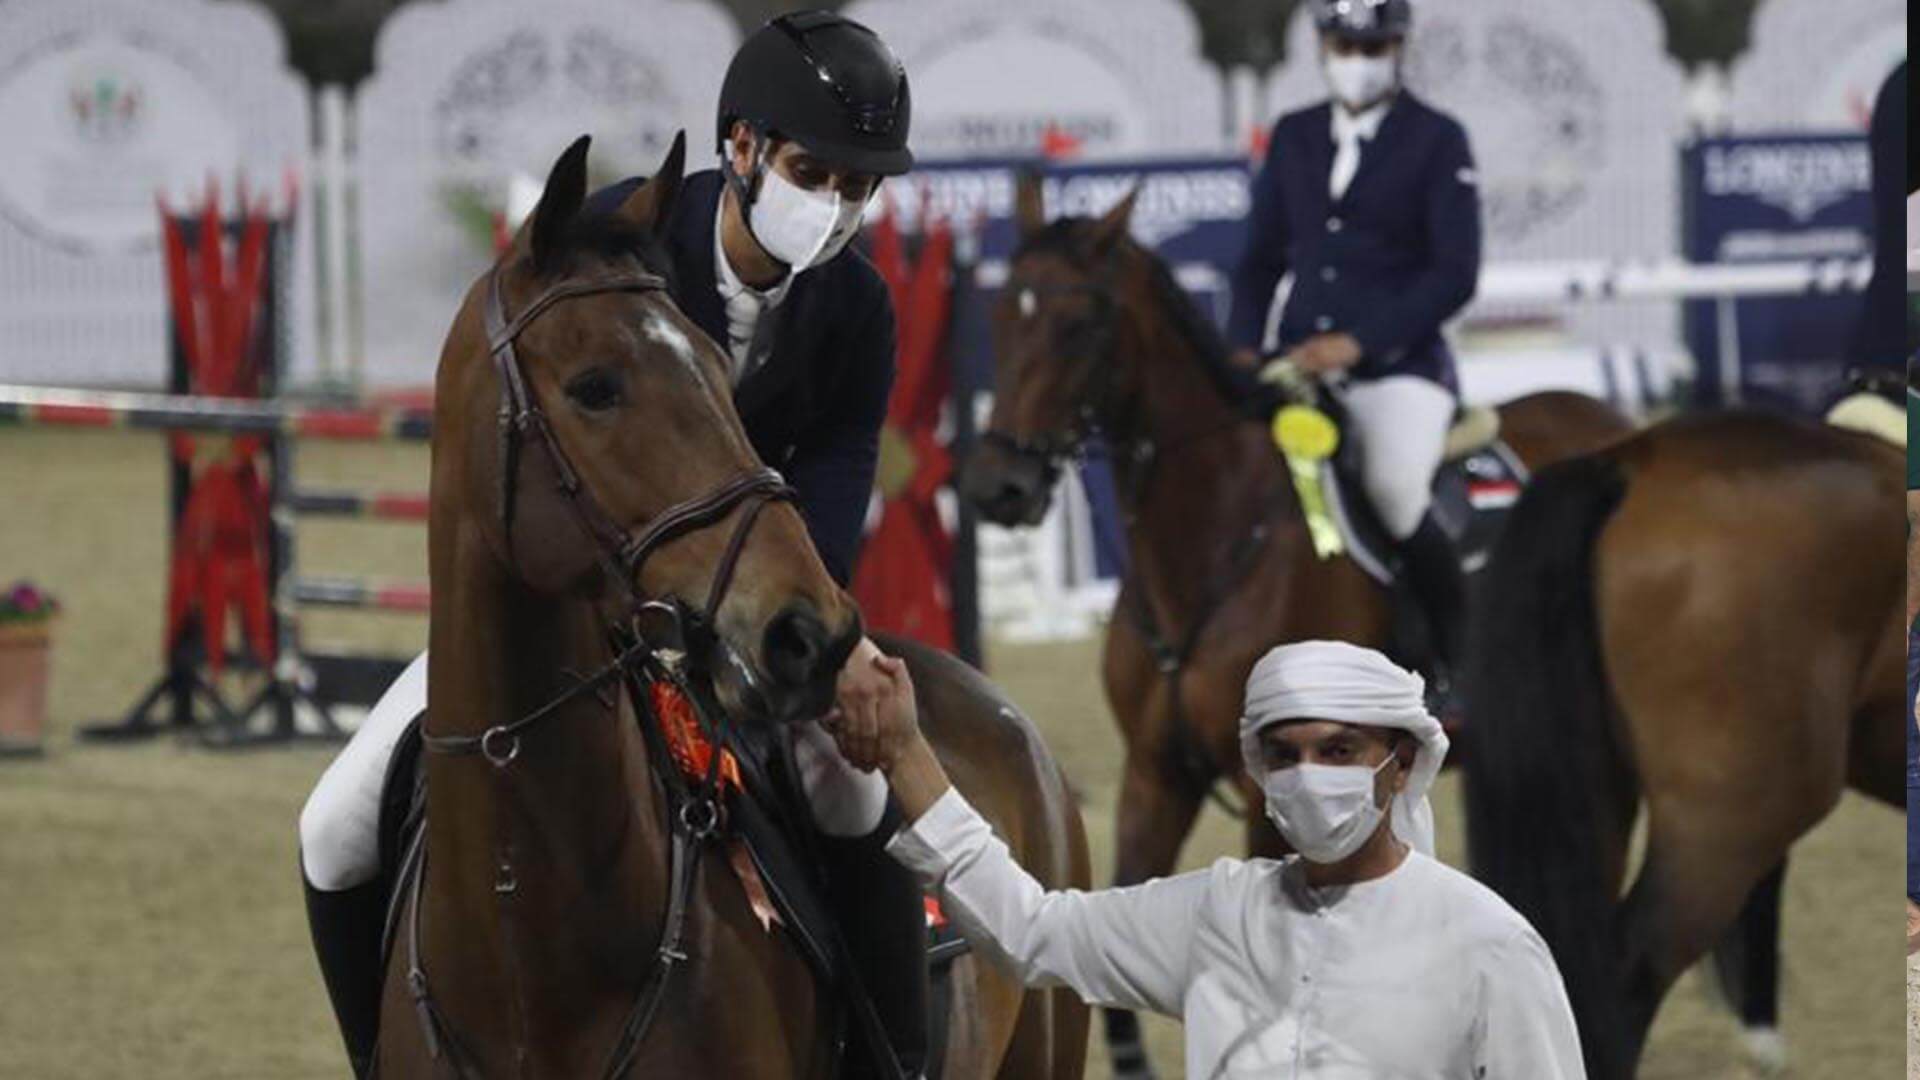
1065 237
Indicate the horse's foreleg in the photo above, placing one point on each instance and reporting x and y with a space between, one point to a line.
1156 809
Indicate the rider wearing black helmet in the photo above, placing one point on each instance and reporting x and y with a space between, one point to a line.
813 115
1370 201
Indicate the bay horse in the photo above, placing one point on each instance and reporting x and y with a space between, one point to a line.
1092 333
587 460
1705 619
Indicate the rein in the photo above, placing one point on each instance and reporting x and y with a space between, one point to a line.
692 810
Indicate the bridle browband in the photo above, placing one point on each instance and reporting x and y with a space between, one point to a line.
693 807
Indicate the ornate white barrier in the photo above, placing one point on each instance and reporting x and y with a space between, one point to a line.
107 104
992 78
1816 65
468 94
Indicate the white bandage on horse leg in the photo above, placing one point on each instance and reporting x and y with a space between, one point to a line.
340 825
845 801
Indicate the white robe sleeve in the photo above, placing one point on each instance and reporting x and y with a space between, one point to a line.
1123 947
1529 1032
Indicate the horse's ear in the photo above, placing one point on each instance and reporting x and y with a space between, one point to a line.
651 204
1114 223
566 190
1029 202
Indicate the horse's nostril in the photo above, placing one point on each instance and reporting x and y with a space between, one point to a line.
796 642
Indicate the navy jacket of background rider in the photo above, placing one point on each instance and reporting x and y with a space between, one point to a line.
1388 262
814 407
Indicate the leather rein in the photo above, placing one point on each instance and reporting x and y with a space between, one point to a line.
693 809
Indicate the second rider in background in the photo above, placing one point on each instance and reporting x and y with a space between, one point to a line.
1370 202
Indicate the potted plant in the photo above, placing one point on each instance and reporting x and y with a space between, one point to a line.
27 616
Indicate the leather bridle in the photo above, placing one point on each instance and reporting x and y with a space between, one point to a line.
692 807
1094 408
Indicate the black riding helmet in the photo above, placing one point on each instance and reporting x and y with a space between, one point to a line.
825 82
1364 20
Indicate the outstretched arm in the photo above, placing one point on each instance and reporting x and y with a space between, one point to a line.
1122 947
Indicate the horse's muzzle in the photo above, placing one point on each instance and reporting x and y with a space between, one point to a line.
801 658
1009 490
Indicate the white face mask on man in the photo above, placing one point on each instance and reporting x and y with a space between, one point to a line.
1325 811
1360 81
802 228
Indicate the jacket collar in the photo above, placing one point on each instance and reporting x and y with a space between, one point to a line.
1385 139
691 243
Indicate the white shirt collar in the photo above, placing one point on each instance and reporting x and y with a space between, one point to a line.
1365 124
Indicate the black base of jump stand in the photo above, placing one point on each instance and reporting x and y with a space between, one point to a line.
194 708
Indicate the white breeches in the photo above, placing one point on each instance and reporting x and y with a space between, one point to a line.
1401 422
340 824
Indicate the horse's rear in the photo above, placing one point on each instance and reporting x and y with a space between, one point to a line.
1699 617
997 759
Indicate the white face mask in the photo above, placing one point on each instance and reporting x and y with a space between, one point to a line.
802 228
1325 811
1360 81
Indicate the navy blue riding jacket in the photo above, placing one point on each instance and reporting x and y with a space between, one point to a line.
814 407
1389 262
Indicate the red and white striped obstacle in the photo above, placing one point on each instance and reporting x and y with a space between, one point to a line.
58 407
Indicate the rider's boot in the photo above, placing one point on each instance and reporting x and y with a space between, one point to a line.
1433 570
883 918
347 926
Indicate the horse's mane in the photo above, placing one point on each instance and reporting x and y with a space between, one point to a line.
1202 337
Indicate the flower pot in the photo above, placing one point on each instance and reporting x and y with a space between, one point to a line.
26 651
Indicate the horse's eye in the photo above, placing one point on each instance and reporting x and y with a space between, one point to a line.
595 390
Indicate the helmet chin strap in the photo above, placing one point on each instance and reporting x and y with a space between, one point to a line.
742 190
745 192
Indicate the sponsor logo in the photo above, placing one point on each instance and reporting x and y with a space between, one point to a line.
1800 178
1171 201
105 110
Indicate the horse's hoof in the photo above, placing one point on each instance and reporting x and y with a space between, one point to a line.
1766 1049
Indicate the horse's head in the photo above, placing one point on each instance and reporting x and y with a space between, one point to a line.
586 442
1060 370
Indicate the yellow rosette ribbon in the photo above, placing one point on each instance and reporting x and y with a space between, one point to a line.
1307 438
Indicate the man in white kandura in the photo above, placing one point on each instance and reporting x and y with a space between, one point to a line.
1362 956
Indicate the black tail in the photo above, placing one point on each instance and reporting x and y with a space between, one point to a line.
1544 779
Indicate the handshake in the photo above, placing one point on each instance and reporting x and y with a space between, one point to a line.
875 718
875 722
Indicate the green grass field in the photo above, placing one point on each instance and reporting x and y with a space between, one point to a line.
150 916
